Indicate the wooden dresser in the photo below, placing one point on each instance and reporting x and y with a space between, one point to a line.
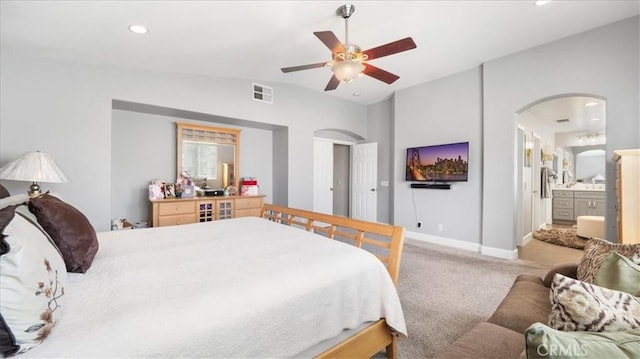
628 195
171 212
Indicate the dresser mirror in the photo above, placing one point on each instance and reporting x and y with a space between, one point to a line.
208 154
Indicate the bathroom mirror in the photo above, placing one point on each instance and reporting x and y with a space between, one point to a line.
208 154
590 166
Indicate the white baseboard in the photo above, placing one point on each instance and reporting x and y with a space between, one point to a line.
475 247
454 243
499 252
526 239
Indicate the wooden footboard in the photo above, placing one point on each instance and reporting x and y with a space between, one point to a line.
383 240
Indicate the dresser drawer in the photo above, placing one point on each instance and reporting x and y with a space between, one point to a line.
249 212
563 203
176 219
173 208
563 214
246 203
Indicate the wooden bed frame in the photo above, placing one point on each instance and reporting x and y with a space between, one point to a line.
383 240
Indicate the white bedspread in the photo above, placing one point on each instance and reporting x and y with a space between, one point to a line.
244 287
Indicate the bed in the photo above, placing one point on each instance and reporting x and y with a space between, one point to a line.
243 287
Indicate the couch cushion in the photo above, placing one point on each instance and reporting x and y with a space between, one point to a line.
525 293
485 340
619 273
543 342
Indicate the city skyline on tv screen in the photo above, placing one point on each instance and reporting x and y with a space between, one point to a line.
448 162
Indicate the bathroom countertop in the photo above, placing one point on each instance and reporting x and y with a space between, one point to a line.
585 188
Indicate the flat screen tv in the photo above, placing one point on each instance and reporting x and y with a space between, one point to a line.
439 163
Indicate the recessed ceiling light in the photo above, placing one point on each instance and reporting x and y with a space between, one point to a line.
595 119
590 104
542 2
138 29
356 94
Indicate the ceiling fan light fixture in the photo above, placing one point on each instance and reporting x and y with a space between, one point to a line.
347 71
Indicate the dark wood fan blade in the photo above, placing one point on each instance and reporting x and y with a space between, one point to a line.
303 67
330 40
390 48
379 74
333 83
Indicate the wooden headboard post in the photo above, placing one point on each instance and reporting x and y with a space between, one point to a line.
383 237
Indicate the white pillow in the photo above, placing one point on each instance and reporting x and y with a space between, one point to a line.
32 278
12 200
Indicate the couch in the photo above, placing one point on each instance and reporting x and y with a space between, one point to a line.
585 310
501 336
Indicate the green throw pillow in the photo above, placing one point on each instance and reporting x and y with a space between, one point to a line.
619 273
544 342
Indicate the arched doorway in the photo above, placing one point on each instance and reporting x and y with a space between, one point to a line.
551 133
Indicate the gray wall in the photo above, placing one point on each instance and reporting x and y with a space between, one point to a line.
380 130
442 111
156 159
602 62
65 109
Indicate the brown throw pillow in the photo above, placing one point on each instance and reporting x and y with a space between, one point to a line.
597 251
69 229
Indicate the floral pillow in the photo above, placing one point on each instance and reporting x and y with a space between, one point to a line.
32 278
580 306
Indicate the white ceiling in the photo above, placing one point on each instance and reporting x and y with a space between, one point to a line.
254 39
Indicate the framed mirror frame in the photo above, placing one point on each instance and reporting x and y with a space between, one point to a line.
211 135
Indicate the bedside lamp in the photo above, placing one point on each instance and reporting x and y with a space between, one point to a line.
33 167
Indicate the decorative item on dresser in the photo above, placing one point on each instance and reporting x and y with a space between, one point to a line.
33 167
628 194
170 212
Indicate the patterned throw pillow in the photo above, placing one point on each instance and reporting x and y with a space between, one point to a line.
580 306
597 251
32 280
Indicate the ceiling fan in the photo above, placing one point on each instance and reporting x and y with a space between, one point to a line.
349 60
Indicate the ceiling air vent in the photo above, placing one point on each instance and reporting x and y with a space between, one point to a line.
562 120
262 93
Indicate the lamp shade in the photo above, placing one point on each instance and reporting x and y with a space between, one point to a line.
34 167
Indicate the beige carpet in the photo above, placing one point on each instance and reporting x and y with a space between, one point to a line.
562 237
445 292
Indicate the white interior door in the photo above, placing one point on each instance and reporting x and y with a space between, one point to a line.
364 203
322 176
536 185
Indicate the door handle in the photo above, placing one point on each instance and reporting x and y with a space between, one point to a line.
373 190
331 189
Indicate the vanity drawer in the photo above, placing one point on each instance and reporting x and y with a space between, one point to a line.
563 203
174 208
563 214
564 194
590 194
176 219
